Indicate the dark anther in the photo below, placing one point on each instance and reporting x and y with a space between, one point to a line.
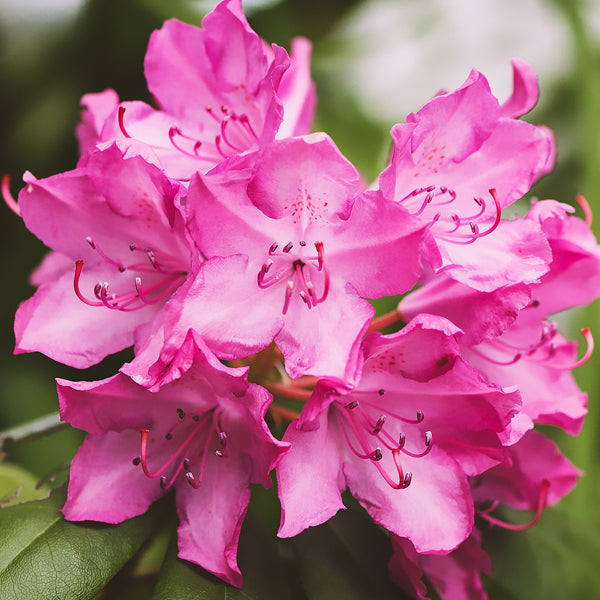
136 461
303 243
163 482
180 413
381 392
288 247
352 405
169 436
379 425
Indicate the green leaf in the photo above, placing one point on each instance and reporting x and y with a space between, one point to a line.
43 556
345 558
37 428
18 485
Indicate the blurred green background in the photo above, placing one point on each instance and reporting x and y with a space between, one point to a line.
374 62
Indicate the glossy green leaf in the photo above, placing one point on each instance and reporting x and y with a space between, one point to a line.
44 556
18 485
345 559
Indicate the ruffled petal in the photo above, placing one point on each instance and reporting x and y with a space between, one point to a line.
307 478
210 518
104 485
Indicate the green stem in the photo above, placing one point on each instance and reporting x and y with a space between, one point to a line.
32 430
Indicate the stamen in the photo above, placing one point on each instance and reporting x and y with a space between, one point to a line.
8 197
218 145
428 446
586 208
224 123
137 298
475 228
297 272
322 267
192 480
109 260
305 291
223 441
379 425
77 276
121 122
174 131
289 288
538 513
404 479
589 350
144 448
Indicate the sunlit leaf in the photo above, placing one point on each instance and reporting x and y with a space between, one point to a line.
18 485
44 556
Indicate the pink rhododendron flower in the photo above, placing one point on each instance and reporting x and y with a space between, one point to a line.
456 576
533 475
508 334
203 434
221 91
456 163
215 227
118 239
403 439
291 249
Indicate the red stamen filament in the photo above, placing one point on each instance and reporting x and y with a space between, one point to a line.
586 208
121 121
144 448
296 272
124 302
348 420
442 196
540 507
458 238
587 334
8 197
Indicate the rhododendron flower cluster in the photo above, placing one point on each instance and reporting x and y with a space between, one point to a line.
237 252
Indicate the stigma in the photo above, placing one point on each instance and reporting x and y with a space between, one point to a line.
297 272
449 220
184 448
371 432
